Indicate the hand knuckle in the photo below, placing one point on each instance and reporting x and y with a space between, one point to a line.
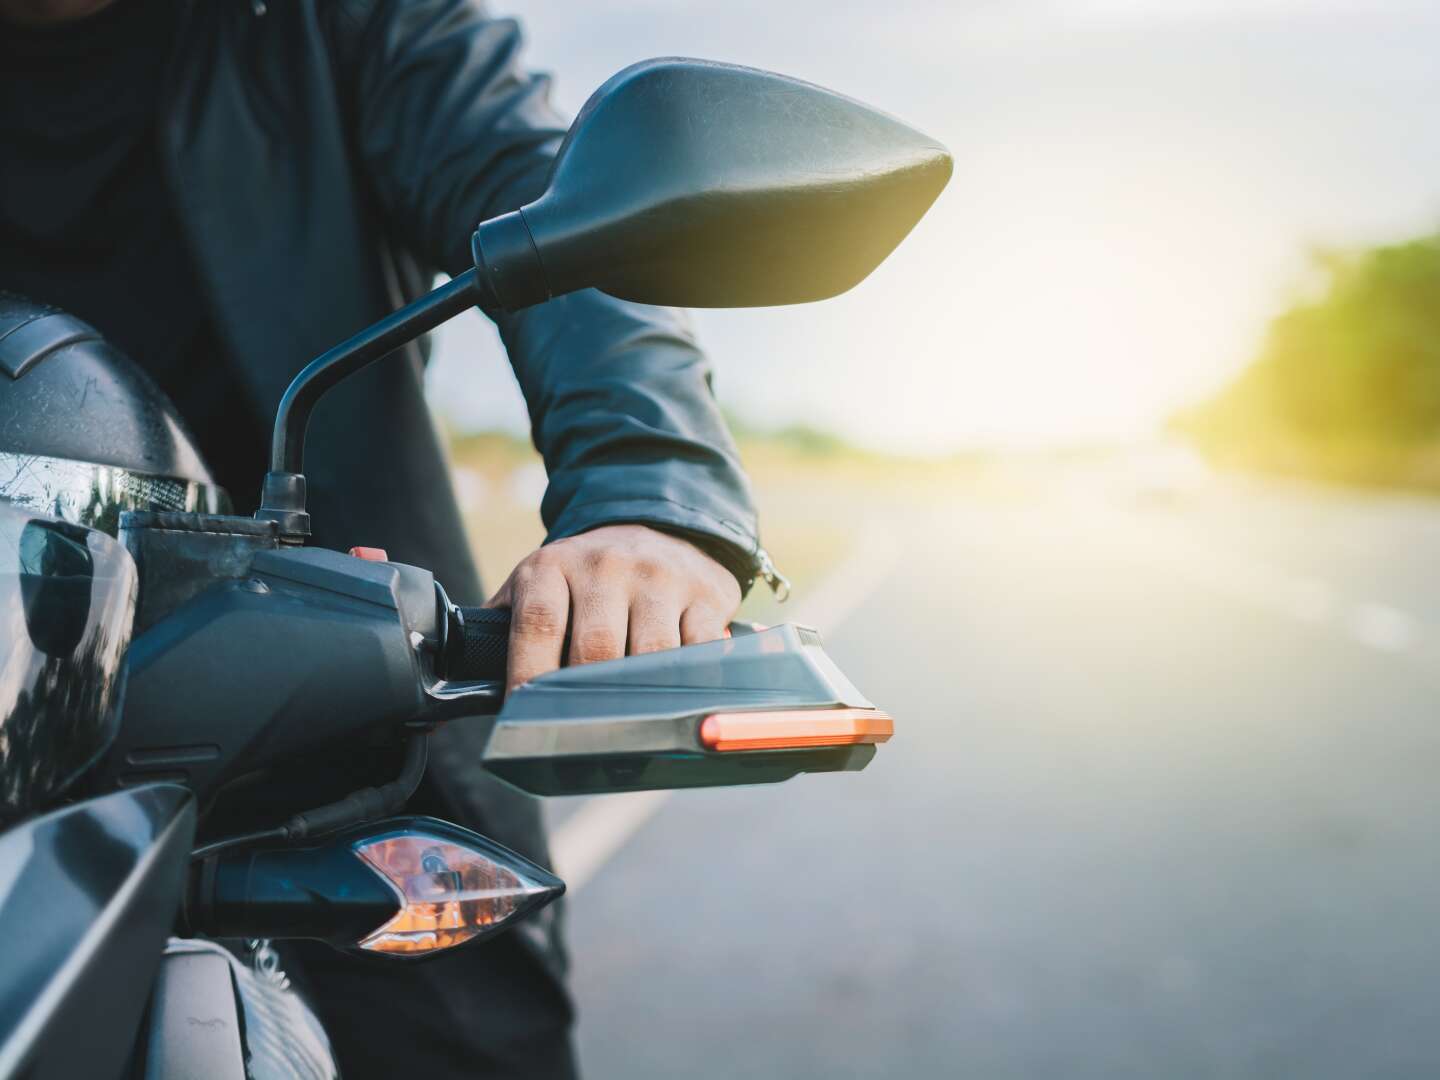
722 597
538 616
597 643
523 576
602 560
651 570
547 558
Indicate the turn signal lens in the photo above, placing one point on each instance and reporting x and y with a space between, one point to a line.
451 889
793 728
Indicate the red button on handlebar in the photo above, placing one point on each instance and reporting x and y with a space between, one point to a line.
370 554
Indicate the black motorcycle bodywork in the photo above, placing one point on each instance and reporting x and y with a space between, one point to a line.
67 598
88 895
305 648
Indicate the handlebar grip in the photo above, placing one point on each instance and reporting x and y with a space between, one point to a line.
479 645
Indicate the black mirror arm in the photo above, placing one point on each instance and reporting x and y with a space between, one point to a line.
282 499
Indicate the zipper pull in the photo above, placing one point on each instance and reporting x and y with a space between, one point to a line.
778 582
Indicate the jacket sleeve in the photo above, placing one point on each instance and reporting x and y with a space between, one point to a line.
449 130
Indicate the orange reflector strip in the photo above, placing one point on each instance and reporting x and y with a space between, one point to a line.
791 728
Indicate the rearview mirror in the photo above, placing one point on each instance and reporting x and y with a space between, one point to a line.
681 182
699 184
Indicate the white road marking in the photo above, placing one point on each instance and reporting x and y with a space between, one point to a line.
583 843
1382 627
1371 623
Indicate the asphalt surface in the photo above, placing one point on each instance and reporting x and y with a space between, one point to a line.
1163 802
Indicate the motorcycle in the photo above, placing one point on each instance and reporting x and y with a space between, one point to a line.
160 660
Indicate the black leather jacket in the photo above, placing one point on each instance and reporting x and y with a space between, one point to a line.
326 158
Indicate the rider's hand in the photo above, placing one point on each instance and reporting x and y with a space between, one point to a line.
617 589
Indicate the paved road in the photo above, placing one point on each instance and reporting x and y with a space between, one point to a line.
1164 802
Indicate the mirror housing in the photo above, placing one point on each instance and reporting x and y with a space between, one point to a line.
697 184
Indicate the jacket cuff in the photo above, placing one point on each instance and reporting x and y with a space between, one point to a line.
729 543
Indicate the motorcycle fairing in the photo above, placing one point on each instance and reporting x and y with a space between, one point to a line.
87 896
67 603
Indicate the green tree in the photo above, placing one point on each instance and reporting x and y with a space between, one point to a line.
1352 374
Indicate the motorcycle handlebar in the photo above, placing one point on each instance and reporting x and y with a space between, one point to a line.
477 645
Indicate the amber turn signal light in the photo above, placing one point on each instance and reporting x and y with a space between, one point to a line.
793 728
406 887
450 892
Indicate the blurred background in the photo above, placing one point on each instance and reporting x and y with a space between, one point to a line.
1117 485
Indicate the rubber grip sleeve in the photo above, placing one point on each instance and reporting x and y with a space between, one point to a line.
479 646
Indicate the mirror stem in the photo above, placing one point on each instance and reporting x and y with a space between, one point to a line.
282 499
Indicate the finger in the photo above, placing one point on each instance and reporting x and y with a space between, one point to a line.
539 610
654 623
598 622
700 624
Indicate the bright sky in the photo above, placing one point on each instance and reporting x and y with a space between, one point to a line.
1136 184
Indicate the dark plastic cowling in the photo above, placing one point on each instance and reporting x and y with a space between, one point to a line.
68 594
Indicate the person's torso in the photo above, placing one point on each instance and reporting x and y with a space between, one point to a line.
274 250
87 221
